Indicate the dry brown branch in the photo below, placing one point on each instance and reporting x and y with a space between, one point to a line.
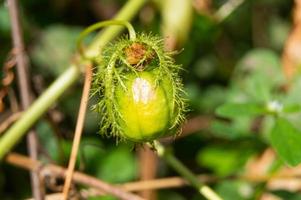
11 119
148 168
60 172
98 187
291 57
8 77
23 81
12 97
275 182
55 196
78 130
203 6
163 183
287 178
286 174
196 124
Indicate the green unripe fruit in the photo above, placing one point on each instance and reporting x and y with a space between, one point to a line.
140 90
147 110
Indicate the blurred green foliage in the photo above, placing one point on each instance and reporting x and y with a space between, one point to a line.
232 72
54 49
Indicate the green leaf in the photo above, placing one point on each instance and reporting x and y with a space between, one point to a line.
5 25
49 142
278 32
258 74
221 160
233 110
102 198
259 63
225 160
287 195
55 48
232 189
170 195
286 139
293 96
228 130
91 153
292 108
118 166
258 87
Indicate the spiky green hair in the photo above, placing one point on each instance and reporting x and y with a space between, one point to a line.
111 72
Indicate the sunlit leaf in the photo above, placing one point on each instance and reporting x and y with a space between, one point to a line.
240 109
118 166
286 139
230 190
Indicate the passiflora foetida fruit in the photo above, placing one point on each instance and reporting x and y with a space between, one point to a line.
139 89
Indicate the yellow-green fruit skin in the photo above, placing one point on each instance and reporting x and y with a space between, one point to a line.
146 109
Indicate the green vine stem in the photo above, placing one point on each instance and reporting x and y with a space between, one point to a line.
56 89
126 13
38 108
98 25
227 9
205 190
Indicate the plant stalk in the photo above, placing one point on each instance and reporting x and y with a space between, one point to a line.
59 172
205 190
25 92
99 25
41 105
78 130
128 11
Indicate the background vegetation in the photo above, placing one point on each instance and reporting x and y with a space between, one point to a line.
243 125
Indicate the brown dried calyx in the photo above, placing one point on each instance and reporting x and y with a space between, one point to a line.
137 55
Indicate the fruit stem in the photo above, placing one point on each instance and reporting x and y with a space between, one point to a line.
99 25
178 166
70 76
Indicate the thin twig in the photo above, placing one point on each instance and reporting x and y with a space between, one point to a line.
60 172
99 187
202 188
148 168
7 122
78 129
23 80
7 78
55 196
174 182
163 183
13 102
291 56
21 61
